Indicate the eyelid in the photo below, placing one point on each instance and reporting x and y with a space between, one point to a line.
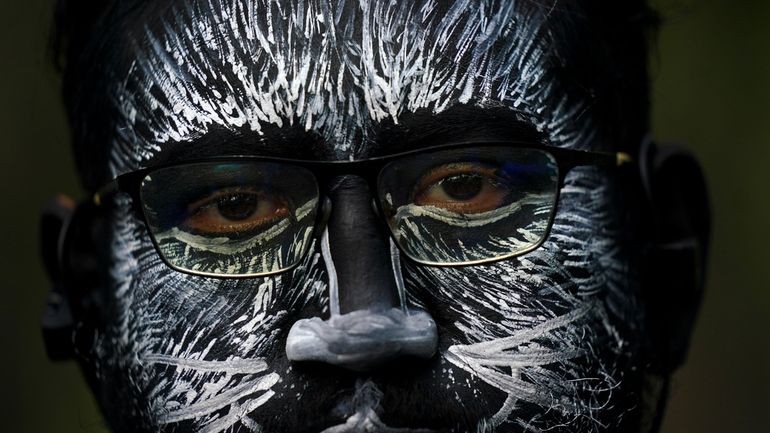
444 171
237 227
230 229
210 199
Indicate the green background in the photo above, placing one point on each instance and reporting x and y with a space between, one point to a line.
711 73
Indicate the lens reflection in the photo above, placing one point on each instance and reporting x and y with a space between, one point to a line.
465 206
232 219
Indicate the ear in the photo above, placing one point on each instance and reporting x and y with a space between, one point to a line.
71 240
57 317
674 276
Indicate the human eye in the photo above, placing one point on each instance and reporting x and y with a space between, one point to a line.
462 187
235 211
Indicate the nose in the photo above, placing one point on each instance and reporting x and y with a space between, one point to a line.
370 323
358 245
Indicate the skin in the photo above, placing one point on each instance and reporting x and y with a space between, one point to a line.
551 340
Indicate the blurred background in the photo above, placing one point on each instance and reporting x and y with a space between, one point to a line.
711 74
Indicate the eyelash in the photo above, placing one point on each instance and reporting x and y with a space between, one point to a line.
197 208
437 174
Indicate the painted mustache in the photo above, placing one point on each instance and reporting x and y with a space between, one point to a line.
241 399
485 359
361 339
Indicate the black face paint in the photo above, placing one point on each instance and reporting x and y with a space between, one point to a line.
365 280
550 340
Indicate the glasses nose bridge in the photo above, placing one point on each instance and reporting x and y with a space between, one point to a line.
331 176
364 173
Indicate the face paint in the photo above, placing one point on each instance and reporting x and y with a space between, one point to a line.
546 341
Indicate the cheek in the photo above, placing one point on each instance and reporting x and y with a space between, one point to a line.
180 340
557 328
584 260
165 302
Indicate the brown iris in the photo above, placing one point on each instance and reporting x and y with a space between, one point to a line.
464 187
233 211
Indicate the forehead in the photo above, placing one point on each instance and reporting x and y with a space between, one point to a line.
336 71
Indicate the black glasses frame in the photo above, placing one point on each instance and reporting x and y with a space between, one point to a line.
369 170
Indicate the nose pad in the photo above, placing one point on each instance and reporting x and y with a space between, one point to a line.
369 323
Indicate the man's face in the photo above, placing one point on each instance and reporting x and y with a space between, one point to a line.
549 340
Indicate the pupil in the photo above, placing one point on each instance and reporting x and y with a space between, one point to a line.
463 187
237 207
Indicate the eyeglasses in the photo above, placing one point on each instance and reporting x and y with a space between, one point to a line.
452 205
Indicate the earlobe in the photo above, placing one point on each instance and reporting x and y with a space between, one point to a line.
680 219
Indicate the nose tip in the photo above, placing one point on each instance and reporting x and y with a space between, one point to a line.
363 340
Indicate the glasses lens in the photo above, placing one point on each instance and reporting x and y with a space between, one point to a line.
463 206
232 219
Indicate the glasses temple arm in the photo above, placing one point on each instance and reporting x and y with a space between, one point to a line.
603 159
623 158
104 192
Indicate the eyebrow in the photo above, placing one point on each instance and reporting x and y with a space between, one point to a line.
414 130
282 142
461 123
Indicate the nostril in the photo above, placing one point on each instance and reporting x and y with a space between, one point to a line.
362 340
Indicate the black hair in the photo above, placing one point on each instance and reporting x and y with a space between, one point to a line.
82 30
607 46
